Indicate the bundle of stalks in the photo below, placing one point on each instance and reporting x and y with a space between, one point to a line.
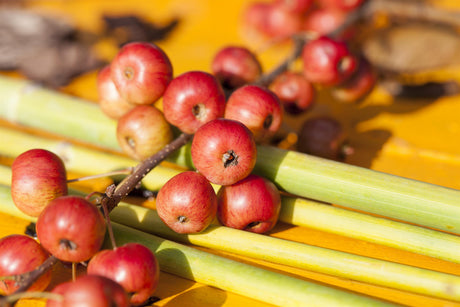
429 215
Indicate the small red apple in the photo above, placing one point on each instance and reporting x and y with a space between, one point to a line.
295 6
235 66
38 176
224 151
323 21
20 254
295 92
255 18
71 228
358 86
341 5
328 62
187 203
258 108
132 265
143 131
141 72
282 23
193 99
323 136
110 100
90 291
252 204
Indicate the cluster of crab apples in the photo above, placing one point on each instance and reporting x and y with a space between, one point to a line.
227 114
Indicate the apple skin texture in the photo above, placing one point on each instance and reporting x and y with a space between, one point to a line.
258 108
193 99
187 203
141 72
110 101
90 291
20 254
143 131
38 176
252 204
132 265
71 228
224 151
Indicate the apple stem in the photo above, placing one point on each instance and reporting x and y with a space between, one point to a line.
126 171
114 195
108 221
74 271
28 278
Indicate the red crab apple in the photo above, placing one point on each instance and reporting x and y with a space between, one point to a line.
71 228
251 204
187 203
141 72
38 176
258 108
193 99
110 101
323 21
20 254
328 62
90 291
224 151
255 18
323 136
358 86
295 6
132 265
282 23
235 66
341 5
295 92
143 131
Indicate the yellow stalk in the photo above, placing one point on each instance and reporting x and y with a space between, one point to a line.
299 255
226 274
285 252
296 211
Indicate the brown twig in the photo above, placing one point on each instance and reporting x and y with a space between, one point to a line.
28 278
112 198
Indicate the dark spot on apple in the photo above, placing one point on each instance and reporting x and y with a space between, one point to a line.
230 158
268 121
199 110
128 73
252 224
67 244
131 142
182 219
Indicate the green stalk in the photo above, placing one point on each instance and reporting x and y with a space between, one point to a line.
297 211
238 277
26 103
294 254
223 273
361 188
299 255
303 175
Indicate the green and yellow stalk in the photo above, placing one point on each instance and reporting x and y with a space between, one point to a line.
296 211
303 175
223 273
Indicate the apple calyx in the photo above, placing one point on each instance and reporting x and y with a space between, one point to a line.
67 244
230 158
128 73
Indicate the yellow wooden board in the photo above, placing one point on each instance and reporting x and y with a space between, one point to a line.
413 139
